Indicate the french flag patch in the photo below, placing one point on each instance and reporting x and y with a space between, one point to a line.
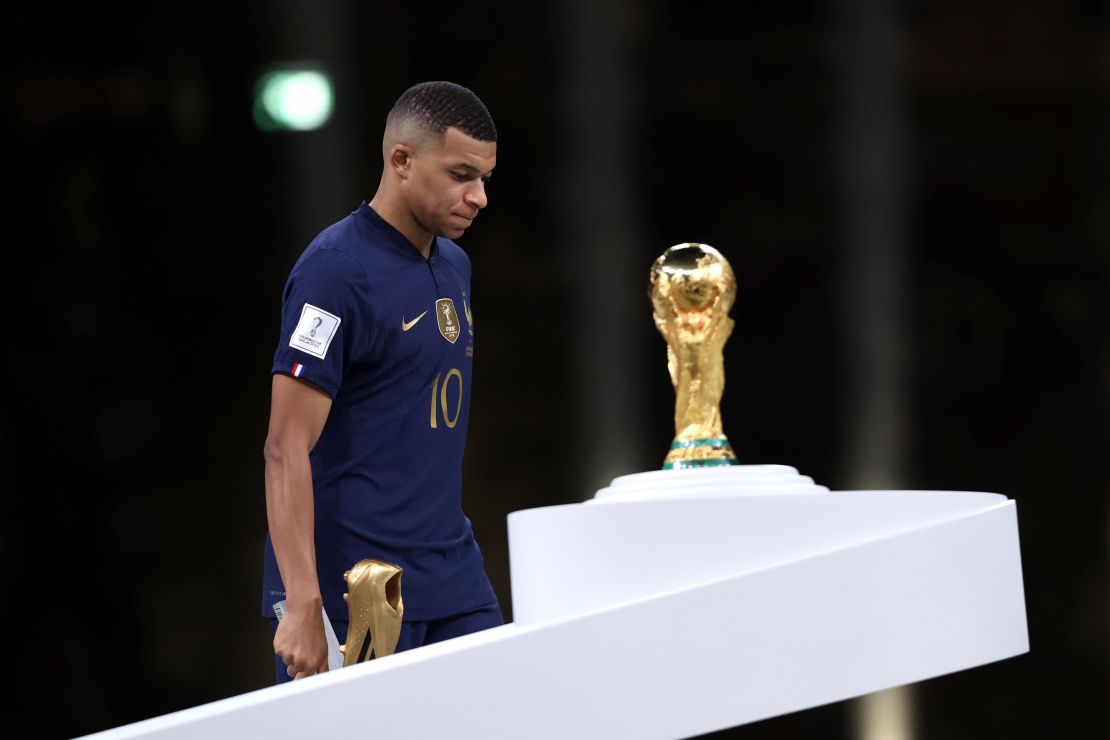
298 369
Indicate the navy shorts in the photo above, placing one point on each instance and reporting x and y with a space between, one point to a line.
417 634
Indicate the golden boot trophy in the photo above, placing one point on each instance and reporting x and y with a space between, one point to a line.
692 291
374 600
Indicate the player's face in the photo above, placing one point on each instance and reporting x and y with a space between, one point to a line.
447 184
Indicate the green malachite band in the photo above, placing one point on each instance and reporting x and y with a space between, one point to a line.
682 464
710 442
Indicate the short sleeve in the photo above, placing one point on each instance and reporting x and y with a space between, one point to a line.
325 319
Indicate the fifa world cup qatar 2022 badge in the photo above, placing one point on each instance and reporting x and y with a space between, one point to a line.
692 290
314 331
376 610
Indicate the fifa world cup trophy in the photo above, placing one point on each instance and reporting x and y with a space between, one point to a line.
692 290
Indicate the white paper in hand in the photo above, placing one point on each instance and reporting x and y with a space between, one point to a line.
335 658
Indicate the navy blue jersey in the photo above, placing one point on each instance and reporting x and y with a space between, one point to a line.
389 336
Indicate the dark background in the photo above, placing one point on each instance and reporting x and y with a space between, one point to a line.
914 196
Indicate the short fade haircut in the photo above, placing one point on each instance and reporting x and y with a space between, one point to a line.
436 106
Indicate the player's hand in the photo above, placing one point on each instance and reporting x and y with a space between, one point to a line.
300 642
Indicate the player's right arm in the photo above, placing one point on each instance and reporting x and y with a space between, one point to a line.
298 411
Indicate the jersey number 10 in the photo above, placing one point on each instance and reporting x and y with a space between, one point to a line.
441 391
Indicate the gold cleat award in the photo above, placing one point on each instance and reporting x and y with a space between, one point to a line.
374 600
692 290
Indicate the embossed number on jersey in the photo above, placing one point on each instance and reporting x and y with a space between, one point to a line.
448 319
444 405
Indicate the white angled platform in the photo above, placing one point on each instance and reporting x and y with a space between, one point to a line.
680 602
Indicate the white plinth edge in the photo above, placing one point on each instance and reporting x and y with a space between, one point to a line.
679 603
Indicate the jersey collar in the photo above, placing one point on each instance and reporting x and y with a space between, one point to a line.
392 235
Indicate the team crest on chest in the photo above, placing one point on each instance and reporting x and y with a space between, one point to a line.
448 319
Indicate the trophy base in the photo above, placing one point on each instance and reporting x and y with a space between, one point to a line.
699 453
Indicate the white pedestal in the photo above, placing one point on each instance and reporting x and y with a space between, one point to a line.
680 602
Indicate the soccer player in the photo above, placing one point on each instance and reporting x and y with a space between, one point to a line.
371 393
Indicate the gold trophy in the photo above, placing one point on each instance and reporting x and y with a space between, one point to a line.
374 600
692 291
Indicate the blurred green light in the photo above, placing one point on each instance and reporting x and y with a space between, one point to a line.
293 100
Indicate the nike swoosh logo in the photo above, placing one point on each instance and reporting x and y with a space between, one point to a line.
406 325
